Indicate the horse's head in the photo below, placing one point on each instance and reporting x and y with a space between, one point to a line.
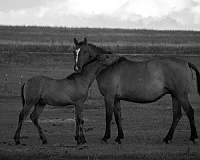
82 54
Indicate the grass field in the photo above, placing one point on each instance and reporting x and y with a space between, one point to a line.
48 39
30 51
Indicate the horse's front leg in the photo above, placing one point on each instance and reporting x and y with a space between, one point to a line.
109 104
79 137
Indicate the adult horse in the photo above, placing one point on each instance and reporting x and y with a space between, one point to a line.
141 82
72 90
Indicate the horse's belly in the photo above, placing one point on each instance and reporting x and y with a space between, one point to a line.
142 93
141 98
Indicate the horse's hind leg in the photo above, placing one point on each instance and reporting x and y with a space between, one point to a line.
190 114
117 113
176 117
22 116
109 104
34 117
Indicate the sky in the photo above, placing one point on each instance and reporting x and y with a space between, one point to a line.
137 14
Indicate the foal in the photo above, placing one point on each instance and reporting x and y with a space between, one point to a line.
72 90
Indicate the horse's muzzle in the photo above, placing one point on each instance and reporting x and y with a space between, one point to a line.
76 68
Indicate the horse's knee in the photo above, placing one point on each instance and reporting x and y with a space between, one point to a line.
108 117
23 114
178 115
189 111
33 117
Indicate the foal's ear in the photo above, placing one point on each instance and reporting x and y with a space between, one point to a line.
85 40
75 41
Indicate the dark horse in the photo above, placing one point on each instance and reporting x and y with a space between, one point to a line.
41 90
141 82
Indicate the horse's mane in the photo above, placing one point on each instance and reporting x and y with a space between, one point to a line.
99 49
71 76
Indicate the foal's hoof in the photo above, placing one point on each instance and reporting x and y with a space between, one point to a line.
17 142
167 141
195 140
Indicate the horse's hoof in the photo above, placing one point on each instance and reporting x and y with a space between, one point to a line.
118 140
75 137
105 140
83 141
195 140
80 140
44 142
121 135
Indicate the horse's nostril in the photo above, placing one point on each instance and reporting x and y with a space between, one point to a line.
76 68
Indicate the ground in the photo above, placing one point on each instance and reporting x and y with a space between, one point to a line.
145 125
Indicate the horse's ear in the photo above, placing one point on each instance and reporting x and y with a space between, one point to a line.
85 40
75 41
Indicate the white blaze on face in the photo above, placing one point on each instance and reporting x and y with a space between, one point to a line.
77 52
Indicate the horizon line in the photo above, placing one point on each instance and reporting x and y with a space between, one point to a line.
111 28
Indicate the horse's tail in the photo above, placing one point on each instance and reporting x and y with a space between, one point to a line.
22 94
197 75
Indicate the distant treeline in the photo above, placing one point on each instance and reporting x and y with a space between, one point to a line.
16 39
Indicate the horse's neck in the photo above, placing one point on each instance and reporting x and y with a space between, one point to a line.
90 71
98 51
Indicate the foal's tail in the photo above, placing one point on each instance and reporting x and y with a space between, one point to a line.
22 94
197 75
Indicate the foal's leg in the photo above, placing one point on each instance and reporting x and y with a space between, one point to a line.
118 120
22 116
190 114
109 104
34 117
80 138
176 117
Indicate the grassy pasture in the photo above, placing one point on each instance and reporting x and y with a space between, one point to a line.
30 51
